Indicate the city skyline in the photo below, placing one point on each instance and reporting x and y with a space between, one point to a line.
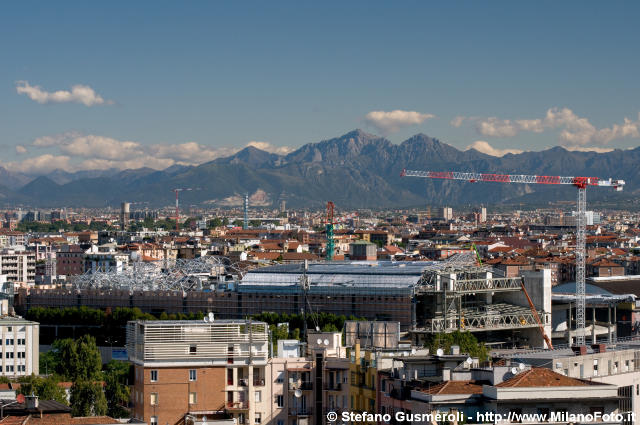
89 86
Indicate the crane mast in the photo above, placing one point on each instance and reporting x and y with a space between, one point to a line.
581 183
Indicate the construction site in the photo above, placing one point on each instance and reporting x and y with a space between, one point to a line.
423 297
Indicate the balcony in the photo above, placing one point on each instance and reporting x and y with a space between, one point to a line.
243 382
258 382
334 387
237 405
300 412
301 385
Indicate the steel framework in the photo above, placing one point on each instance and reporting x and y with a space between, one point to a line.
170 275
580 182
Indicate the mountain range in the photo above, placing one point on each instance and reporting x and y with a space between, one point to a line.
356 170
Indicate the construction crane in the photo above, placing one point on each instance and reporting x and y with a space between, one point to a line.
581 183
331 243
177 191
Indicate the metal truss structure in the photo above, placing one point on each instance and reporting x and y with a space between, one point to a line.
169 275
502 316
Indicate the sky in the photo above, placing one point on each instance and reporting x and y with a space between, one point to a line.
95 85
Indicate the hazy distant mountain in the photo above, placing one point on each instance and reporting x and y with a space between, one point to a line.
353 170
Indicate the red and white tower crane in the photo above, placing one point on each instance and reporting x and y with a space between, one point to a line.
580 183
177 191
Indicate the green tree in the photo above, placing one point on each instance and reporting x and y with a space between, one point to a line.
465 340
88 399
116 375
88 360
46 388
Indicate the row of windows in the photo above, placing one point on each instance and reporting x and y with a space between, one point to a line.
153 398
153 376
18 368
20 355
19 341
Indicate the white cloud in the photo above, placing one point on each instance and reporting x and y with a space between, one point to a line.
574 131
589 149
78 94
74 151
390 121
268 147
485 147
40 164
458 121
20 149
496 127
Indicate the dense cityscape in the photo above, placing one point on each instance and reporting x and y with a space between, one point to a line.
271 315
319 213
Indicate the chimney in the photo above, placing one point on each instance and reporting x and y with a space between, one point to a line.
446 374
599 348
579 350
31 401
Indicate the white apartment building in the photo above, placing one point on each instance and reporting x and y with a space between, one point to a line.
20 345
19 266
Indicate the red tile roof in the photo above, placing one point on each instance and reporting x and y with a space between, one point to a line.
454 387
542 377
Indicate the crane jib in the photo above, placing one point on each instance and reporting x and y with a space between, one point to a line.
504 178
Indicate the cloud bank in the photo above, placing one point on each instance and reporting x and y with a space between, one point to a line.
74 151
78 94
391 121
574 131
486 148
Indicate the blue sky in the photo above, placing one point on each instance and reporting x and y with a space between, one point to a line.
178 82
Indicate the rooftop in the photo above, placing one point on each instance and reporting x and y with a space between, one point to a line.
542 377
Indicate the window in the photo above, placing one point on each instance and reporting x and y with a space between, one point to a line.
154 399
193 398
595 368
9 329
9 341
280 422
154 420
192 374
8 354
280 400
258 418
9 368
258 396
154 376
280 378
192 349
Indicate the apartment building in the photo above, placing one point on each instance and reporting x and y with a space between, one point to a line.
20 344
19 266
191 370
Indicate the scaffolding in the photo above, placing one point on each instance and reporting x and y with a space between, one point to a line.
471 298
169 275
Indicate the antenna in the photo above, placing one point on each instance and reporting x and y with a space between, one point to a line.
440 352
326 342
297 393
469 360
521 366
319 341
514 370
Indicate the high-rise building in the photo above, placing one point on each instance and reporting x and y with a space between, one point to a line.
446 213
124 214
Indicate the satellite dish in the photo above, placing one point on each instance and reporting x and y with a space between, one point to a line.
440 352
326 342
206 319
297 393
317 329
319 341
210 317
521 366
469 360
514 370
